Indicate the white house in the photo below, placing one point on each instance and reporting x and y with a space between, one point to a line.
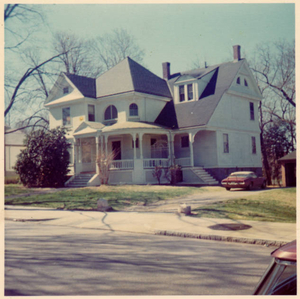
205 120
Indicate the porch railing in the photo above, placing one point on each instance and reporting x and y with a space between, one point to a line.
122 164
183 161
151 163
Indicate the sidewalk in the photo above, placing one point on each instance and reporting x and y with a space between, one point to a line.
171 224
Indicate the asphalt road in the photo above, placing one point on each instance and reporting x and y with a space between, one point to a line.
45 260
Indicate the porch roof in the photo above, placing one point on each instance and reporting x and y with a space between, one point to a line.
94 127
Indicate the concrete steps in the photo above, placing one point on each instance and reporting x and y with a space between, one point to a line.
80 180
204 176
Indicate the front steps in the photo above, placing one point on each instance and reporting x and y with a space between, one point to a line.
81 180
204 176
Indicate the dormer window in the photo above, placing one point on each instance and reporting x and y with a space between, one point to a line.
66 90
133 110
190 92
111 112
245 82
238 80
181 93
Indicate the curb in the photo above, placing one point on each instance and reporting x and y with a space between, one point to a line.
221 238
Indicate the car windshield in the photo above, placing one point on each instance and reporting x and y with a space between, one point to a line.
281 280
239 175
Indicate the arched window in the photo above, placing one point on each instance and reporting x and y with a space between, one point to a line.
245 82
238 80
111 112
133 110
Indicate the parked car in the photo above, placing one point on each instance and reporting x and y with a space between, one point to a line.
280 277
244 179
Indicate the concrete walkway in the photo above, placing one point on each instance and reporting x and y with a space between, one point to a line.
172 224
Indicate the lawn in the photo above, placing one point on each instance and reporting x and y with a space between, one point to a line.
86 198
278 205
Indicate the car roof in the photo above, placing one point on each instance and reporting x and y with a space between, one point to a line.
242 172
286 252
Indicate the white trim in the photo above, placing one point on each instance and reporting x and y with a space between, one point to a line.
243 95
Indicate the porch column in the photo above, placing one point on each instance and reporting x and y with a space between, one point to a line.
171 148
141 145
106 145
97 154
134 147
191 139
74 155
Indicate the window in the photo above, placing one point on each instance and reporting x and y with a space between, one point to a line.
253 145
181 93
190 92
245 82
66 90
91 112
111 112
225 143
66 116
136 143
251 111
238 80
133 110
185 141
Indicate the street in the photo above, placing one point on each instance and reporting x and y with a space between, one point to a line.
45 260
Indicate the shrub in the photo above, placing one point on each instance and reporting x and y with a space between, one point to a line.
44 162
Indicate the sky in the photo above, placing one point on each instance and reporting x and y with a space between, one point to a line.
180 33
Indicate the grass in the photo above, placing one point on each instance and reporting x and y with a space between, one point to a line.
86 198
274 206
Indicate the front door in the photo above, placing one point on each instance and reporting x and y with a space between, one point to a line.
116 148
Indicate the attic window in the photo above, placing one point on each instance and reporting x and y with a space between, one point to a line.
238 80
66 90
245 82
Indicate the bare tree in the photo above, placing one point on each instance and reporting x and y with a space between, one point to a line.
274 69
112 48
24 16
78 57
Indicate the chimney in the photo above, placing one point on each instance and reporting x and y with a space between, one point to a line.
166 70
237 53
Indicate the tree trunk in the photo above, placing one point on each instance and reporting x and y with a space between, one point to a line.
265 160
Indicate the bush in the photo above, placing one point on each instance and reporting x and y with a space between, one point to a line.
44 162
12 180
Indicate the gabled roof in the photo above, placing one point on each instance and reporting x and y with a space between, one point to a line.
198 113
87 86
129 76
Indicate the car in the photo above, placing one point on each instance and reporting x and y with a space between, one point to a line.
244 179
280 278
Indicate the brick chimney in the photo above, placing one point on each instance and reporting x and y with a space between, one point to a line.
237 53
166 70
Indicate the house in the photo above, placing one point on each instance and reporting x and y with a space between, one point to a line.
205 120
288 169
14 143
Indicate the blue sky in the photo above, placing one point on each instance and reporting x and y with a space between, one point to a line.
180 33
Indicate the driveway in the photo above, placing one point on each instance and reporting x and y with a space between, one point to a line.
214 194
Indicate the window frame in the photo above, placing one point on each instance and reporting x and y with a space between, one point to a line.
181 95
238 80
135 109
111 112
66 90
225 143
65 121
188 92
253 145
94 113
252 114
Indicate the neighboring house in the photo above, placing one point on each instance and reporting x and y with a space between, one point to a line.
13 146
288 170
205 120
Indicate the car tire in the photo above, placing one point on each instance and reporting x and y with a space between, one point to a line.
264 185
227 188
250 187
